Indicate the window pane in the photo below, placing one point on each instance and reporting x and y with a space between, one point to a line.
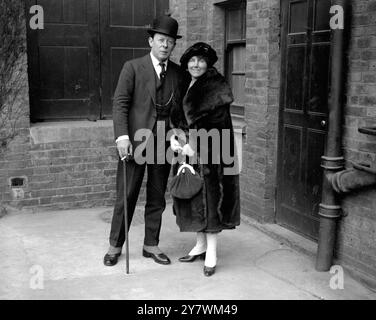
234 24
235 54
236 72
238 83
244 27
238 59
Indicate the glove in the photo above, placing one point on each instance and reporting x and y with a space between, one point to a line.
175 145
187 151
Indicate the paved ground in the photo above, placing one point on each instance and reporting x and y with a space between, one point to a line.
62 252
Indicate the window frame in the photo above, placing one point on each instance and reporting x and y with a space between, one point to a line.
228 6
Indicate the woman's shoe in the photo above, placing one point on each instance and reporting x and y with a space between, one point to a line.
190 258
209 271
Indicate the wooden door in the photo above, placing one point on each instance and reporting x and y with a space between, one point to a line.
76 60
124 37
64 61
303 113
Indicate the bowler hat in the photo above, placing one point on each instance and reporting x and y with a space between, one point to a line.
199 49
165 25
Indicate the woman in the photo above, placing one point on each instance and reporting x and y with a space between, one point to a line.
206 105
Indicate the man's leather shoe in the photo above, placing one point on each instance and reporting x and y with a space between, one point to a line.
111 259
191 258
160 258
209 271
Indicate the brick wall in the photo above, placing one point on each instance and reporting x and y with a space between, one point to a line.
178 11
199 21
62 172
68 171
14 157
356 243
261 112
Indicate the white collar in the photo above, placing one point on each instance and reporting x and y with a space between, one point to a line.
156 62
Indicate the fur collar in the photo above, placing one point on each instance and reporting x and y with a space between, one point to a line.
208 93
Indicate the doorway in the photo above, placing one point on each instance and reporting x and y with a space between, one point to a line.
303 113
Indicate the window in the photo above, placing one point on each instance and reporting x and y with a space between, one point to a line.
235 52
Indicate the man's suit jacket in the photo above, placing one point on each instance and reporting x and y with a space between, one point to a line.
135 94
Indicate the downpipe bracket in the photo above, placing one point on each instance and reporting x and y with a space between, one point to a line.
358 177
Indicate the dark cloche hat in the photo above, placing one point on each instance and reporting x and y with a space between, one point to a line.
165 25
199 49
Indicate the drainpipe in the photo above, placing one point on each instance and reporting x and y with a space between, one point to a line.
336 180
332 161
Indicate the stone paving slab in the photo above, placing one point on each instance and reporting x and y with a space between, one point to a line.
68 247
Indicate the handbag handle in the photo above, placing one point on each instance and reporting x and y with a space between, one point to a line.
185 165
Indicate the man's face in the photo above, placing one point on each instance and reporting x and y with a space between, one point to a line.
161 46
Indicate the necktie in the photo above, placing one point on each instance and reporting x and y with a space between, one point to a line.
162 75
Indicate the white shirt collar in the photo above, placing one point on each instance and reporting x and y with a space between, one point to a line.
156 62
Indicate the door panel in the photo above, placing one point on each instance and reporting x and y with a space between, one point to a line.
54 63
303 112
293 145
64 61
295 76
123 37
319 80
322 15
315 141
298 16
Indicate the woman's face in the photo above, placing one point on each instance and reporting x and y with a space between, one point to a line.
197 66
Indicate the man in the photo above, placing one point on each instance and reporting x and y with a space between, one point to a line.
146 89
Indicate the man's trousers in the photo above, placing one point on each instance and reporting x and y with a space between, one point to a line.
157 177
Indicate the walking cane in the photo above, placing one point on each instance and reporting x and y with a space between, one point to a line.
124 159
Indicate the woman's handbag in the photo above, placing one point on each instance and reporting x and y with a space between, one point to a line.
186 184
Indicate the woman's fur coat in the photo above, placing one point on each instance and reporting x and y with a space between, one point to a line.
206 105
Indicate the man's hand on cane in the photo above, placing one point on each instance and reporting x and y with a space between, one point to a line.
125 149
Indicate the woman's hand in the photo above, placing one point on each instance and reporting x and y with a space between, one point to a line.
187 151
175 145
